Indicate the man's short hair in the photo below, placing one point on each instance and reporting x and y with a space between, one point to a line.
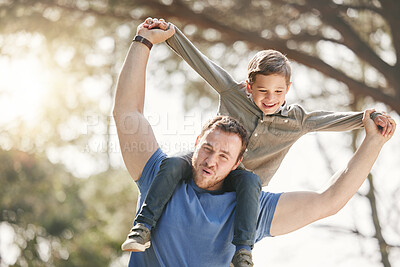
268 62
229 125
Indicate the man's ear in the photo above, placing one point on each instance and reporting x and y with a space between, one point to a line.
237 163
248 87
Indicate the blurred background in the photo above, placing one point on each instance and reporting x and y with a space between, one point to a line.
66 198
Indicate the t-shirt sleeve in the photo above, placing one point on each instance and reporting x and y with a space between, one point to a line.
268 202
213 74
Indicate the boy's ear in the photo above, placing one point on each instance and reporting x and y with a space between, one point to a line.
248 87
288 87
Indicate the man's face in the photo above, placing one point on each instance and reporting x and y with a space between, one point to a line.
269 92
215 156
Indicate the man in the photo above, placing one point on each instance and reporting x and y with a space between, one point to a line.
197 224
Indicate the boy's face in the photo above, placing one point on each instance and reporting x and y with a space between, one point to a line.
269 92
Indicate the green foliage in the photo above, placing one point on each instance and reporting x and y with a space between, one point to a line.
79 222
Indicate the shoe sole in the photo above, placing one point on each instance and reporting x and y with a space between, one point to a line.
134 247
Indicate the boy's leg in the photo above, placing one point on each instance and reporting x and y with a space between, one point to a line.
172 171
248 188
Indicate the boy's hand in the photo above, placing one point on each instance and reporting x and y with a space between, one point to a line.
384 123
372 127
157 24
156 31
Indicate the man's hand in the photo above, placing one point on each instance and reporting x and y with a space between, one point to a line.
385 121
155 30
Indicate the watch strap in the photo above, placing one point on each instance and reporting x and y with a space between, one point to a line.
142 40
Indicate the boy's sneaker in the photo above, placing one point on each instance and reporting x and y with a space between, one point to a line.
242 258
138 239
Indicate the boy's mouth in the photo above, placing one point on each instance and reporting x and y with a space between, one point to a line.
269 105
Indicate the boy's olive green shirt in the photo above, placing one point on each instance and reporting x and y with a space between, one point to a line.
272 135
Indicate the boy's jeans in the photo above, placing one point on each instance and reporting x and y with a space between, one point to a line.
172 170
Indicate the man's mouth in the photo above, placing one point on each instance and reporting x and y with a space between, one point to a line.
206 171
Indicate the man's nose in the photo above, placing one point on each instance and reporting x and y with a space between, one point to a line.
211 160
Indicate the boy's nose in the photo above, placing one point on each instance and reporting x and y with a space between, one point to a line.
268 96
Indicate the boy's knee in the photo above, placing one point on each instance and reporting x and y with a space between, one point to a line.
254 180
248 179
177 165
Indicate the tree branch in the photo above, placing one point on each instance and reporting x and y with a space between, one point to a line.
346 231
306 37
383 246
330 15
185 14
391 14
345 7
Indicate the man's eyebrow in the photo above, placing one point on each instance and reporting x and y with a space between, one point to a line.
226 152
223 151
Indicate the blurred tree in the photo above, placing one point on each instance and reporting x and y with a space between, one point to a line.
58 220
84 43
304 30
354 42
378 215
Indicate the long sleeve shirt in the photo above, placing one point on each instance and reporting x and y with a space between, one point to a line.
271 135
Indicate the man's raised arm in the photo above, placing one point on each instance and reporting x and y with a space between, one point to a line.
135 135
297 209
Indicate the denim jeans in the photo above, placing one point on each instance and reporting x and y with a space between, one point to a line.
173 169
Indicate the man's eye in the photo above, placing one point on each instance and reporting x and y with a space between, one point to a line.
224 157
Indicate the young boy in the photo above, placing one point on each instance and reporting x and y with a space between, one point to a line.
273 125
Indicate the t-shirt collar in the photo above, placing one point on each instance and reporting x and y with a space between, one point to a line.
283 110
201 190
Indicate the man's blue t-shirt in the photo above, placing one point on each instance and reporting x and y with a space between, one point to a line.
196 227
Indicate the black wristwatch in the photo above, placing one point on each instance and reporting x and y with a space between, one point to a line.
142 40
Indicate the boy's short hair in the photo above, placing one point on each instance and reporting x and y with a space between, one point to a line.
268 62
229 125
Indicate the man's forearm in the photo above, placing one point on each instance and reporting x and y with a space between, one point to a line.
130 92
347 182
